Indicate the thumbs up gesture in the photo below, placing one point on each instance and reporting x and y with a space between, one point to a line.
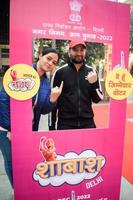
91 77
55 93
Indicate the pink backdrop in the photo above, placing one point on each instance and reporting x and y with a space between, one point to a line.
94 21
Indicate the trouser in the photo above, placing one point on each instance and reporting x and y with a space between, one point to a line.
5 147
75 124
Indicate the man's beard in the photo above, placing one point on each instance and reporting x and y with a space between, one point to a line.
75 61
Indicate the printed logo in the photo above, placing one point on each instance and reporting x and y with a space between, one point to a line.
70 168
21 82
75 7
119 82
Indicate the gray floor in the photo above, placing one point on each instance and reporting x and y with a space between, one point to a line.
6 192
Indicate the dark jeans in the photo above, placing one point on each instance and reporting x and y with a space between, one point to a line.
5 147
75 124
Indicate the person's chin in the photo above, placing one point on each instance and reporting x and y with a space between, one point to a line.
78 61
48 70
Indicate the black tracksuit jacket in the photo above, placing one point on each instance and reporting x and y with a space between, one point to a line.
75 103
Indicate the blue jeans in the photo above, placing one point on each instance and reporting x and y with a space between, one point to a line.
5 147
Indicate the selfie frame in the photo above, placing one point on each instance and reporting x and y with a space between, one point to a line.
100 177
92 59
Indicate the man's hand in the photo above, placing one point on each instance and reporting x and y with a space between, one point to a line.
55 93
91 77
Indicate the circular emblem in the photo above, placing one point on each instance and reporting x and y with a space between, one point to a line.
119 83
21 82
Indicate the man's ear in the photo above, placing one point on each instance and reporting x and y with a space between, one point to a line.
69 52
85 52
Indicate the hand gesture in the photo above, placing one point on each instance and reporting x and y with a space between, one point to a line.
91 77
55 93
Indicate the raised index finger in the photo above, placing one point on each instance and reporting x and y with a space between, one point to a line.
93 70
61 86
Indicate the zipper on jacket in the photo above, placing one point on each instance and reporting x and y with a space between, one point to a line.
79 103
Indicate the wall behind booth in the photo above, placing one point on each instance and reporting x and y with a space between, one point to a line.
88 162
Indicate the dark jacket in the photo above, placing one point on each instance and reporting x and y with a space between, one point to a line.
42 106
78 94
4 109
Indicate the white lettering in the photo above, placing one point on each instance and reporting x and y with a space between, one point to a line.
95 182
98 30
53 32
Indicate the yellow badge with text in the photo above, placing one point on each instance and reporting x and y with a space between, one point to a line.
21 82
119 84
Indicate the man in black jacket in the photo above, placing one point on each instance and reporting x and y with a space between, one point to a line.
81 88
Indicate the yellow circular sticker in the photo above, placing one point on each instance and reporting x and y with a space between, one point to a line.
21 82
119 83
